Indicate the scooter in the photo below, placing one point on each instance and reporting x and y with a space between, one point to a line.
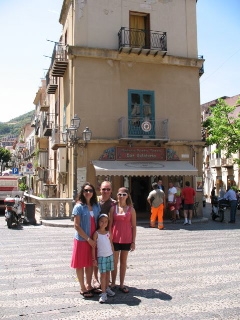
219 207
14 211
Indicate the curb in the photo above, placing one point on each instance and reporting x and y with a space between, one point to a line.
67 223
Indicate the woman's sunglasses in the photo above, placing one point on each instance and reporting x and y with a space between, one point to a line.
122 194
88 190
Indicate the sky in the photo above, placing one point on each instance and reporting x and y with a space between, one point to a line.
28 24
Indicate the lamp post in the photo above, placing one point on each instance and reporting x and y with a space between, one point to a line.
70 137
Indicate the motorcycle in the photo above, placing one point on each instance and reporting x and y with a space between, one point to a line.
218 209
14 211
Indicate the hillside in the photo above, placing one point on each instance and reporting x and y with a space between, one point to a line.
15 125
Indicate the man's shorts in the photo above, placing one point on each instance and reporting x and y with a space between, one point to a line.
188 206
105 264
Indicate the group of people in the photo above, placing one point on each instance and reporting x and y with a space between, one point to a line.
231 195
105 233
175 199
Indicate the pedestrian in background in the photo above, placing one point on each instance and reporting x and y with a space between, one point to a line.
232 197
160 185
213 195
172 191
104 259
188 196
85 212
178 199
156 199
122 225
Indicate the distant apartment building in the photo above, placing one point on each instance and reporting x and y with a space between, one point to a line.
219 171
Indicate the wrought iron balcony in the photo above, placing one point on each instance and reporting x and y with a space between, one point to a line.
47 126
142 41
57 141
216 162
227 162
201 70
59 61
141 129
51 83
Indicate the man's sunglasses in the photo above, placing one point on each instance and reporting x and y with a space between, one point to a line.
88 190
122 194
106 189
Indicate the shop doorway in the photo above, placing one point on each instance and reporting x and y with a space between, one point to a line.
139 189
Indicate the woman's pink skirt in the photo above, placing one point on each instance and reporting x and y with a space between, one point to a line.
82 254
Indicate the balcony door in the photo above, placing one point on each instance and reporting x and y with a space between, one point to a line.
141 114
139 24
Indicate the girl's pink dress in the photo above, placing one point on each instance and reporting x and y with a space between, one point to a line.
82 251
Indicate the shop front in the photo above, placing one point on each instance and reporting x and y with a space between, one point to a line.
138 167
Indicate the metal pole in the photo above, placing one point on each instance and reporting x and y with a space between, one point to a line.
75 156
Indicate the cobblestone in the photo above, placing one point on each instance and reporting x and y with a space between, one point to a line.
183 272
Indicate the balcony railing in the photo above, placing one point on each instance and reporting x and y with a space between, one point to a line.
201 70
216 162
227 162
47 126
140 128
57 141
59 60
51 83
142 41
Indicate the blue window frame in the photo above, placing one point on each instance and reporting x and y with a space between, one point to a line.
141 114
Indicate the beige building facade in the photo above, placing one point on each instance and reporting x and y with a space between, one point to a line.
130 70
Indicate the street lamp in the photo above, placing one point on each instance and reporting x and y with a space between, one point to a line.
70 136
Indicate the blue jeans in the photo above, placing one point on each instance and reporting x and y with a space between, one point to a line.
233 208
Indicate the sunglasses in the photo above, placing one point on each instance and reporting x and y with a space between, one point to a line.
122 194
88 190
106 189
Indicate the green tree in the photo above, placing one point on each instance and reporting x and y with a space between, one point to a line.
5 155
223 129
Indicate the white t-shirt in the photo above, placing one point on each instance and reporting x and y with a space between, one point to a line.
171 192
104 248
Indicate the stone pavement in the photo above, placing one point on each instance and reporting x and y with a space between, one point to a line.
183 272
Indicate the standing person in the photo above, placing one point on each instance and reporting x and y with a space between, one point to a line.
172 191
213 194
122 225
85 212
178 200
156 199
105 202
104 256
232 197
160 185
188 195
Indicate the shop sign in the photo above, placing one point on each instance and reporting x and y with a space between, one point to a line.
140 154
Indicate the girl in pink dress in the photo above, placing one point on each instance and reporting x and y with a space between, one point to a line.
86 212
122 225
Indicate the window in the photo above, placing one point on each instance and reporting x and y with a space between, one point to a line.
141 113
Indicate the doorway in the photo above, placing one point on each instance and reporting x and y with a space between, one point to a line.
140 188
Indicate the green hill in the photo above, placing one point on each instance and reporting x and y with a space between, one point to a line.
15 125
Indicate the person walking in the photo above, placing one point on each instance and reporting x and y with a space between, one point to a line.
85 212
122 225
104 256
157 201
188 196
232 197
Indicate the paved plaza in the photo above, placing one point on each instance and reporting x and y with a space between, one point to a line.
182 272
